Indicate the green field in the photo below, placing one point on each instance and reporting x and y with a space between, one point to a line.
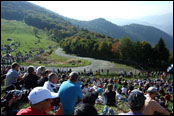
21 32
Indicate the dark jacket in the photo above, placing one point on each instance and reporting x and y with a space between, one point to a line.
30 81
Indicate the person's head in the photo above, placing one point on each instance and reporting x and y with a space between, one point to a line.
15 66
110 87
85 109
74 77
86 85
40 98
136 100
90 97
119 90
47 72
152 91
40 70
52 77
64 77
31 70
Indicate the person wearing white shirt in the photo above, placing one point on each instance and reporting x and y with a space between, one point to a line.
51 84
124 90
86 89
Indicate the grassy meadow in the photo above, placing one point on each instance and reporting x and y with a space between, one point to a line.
21 32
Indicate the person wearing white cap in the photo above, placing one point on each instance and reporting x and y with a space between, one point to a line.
40 101
151 106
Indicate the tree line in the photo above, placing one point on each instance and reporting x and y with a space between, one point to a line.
150 58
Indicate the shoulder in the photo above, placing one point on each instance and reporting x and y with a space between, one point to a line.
24 111
46 83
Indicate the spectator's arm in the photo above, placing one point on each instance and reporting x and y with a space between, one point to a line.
59 111
79 95
21 77
160 109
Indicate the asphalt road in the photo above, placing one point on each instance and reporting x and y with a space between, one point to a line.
96 64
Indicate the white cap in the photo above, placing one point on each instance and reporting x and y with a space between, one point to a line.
40 94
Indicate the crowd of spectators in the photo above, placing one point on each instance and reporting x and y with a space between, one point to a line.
68 92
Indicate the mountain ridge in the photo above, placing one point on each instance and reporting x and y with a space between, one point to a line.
42 17
100 25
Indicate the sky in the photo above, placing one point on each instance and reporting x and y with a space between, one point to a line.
89 10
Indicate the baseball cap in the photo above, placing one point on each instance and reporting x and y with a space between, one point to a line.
40 94
136 100
152 89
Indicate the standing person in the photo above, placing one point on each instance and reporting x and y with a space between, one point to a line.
136 101
151 106
13 75
110 96
40 102
69 93
30 80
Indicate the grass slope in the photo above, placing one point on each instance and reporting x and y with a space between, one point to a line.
21 32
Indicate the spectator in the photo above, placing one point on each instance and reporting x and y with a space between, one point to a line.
44 79
119 96
51 84
167 97
13 75
40 102
86 89
64 78
85 109
90 98
136 101
151 106
40 71
30 80
124 90
110 96
69 93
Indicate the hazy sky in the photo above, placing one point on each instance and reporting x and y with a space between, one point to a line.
88 10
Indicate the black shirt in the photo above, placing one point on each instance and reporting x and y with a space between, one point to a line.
110 96
30 81
42 81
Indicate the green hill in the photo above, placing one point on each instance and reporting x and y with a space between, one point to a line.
21 32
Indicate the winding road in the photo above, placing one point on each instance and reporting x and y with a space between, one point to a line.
95 63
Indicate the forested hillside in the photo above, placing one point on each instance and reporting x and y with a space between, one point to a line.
133 31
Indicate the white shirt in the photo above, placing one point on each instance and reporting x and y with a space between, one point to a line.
50 86
118 96
124 90
85 90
